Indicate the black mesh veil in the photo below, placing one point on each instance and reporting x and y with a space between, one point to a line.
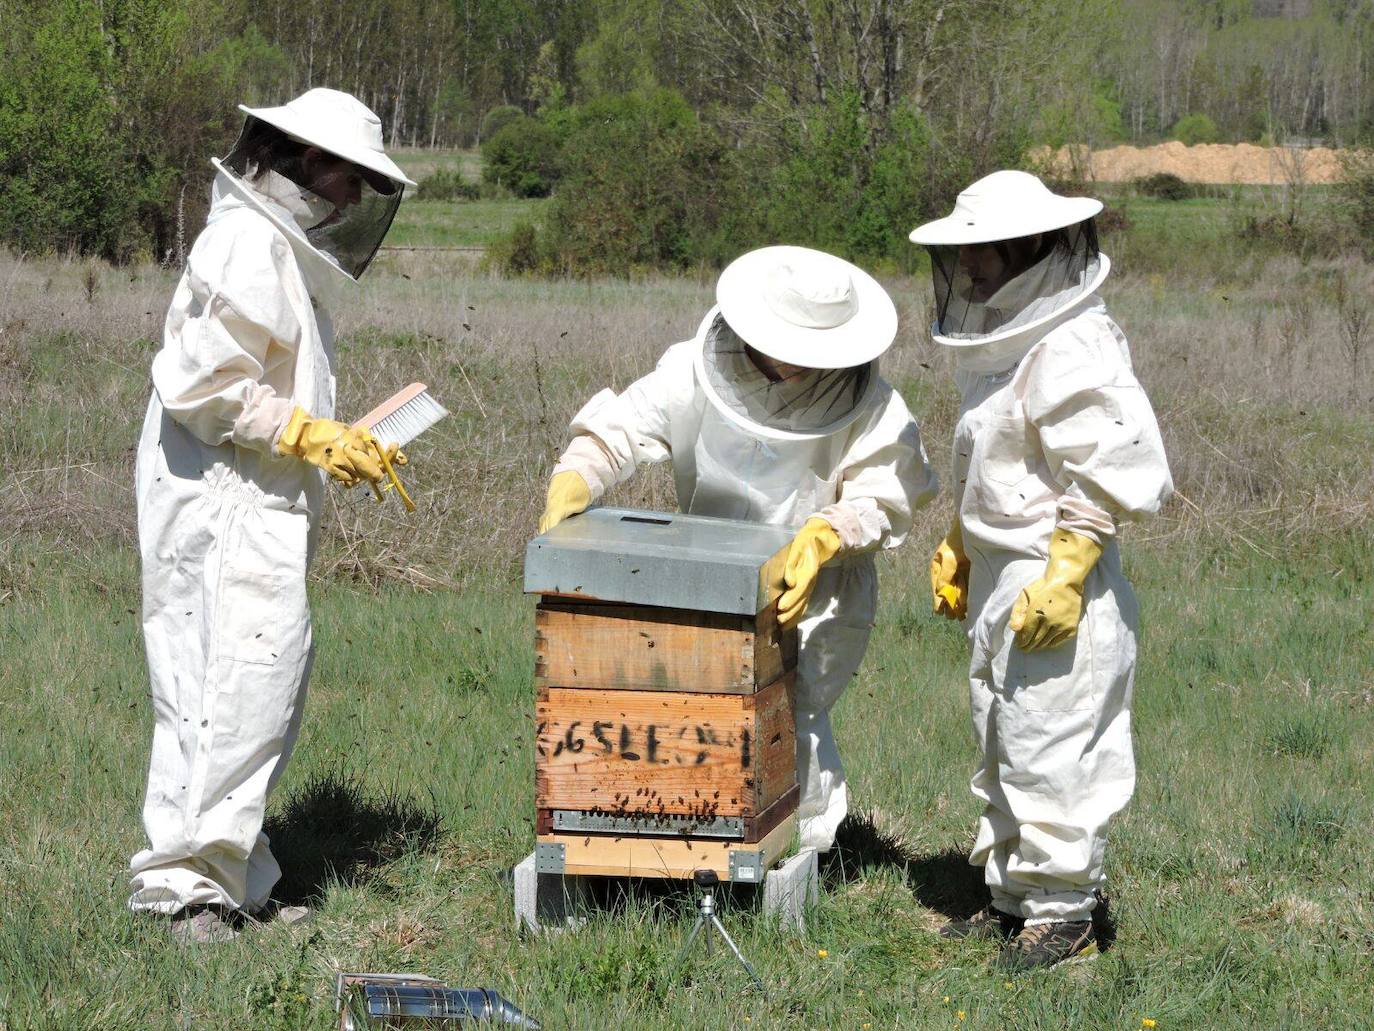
800 401
985 289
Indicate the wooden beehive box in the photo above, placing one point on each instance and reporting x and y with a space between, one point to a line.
665 737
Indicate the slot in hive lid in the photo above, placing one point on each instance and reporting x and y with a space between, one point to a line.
657 558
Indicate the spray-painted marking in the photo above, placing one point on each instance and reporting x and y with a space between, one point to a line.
652 744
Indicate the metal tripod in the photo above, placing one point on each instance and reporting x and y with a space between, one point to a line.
707 880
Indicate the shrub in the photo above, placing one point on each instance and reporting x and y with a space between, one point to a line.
522 157
520 253
1355 196
446 184
1165 186
1324 235
498 118
645 184
1193 129
1112 219
844 186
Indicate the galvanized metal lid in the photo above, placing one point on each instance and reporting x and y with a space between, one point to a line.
658 558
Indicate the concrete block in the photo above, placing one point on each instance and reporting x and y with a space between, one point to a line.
547 901
790 888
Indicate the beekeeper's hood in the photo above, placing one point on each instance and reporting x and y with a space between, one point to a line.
1008 264
331 177
822 321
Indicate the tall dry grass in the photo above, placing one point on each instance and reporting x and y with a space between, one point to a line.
1263 394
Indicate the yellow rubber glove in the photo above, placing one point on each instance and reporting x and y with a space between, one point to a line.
1046 613
568 495
349 454
815 544
949 568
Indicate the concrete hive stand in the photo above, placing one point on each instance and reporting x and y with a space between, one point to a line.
665 735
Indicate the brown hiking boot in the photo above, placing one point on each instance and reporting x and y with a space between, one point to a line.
988 922
202 925
1043 945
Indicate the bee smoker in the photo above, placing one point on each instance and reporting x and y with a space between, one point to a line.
382 1002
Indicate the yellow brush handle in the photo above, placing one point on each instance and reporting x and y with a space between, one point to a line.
395 480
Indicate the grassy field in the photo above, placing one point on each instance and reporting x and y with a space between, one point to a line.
462 224
1242 888
421 162
459 223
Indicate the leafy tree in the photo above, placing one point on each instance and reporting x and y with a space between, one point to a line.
839 189
1194 129
498 118
63 183
108 114
645 184
522 157
626 49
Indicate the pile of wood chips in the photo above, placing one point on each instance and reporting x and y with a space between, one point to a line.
1223 163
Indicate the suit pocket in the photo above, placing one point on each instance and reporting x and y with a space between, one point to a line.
263 617
1054 679
1003 450
1004 473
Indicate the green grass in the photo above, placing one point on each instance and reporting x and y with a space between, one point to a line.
420 162
1239 877
1199 237
459 223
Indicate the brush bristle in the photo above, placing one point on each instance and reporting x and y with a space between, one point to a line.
409 421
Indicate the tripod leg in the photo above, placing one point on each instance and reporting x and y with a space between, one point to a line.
735 949
687 948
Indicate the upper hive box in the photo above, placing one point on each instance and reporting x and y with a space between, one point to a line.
656 602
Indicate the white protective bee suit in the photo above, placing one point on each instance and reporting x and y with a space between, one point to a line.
226 525
1054 431
859 464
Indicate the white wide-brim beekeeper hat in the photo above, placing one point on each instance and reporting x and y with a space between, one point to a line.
339 123
1005 205
806 307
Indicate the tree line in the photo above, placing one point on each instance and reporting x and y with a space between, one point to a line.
850 108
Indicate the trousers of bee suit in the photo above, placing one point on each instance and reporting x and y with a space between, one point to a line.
1054 734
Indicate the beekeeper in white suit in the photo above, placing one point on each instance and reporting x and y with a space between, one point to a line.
237 441
775 413
1055 446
